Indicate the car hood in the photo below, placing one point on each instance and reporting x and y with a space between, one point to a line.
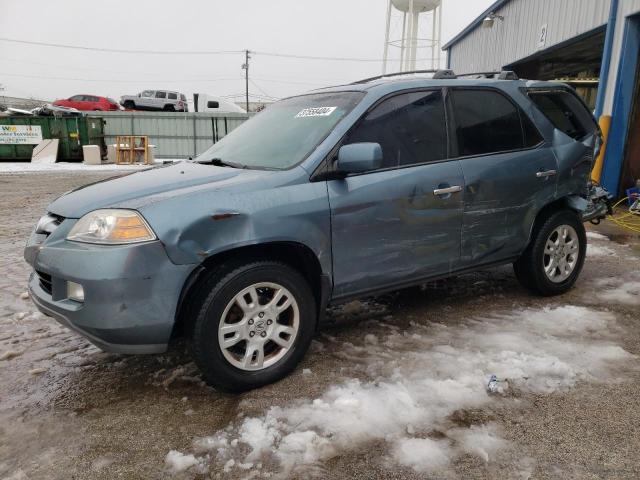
137 189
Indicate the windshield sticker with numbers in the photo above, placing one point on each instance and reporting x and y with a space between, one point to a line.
316 112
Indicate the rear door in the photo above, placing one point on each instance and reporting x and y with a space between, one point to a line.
574 139
509 173
401 222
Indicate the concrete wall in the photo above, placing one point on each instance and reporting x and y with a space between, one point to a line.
517 37
176 135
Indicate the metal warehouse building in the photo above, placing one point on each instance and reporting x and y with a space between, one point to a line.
593 45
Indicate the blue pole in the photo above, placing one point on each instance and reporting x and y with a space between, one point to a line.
606 58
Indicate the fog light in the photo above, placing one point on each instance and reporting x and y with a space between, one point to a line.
75 292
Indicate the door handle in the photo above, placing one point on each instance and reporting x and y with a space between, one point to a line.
545 173
446 191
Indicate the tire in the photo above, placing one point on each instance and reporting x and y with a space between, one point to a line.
128 104
219 300
169 108
568 244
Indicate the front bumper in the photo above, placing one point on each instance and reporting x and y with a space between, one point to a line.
131 291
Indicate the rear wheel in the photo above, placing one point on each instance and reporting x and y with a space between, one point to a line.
254 324
554 258
129 105
169 108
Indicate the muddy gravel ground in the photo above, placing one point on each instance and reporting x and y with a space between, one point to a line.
394 388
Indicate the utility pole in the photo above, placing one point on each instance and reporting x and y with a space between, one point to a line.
245 66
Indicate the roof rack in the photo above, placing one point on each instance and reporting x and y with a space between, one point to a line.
437 75
500 75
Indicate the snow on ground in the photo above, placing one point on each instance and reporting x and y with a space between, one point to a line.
625 290
597 236
599 250
26 167
410 382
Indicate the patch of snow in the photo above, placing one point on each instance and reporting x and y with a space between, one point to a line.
599 251
27 167
37 371
306 371
625 292
422 454
9 354
178 462
596 236
417 382
370 339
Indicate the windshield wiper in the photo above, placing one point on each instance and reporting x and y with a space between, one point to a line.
218 162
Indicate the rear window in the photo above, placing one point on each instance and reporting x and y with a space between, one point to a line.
486 122
565 111
173 96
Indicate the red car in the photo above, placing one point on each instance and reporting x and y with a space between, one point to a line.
88 102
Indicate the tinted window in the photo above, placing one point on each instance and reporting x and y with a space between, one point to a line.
410 128
531 135
161 94
173 96
566 112
92 99
486 122
76 98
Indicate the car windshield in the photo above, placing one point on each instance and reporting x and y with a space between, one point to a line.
283 134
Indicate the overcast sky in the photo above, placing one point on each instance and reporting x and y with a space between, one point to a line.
326 28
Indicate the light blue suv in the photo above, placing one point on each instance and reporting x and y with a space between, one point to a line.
325 197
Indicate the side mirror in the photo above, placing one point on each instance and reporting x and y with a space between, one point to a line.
212 104
359 157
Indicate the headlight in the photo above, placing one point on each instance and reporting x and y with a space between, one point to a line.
111 227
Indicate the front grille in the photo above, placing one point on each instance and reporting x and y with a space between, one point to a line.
45 281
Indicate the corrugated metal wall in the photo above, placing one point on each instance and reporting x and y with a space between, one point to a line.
175 135
488 49
625 8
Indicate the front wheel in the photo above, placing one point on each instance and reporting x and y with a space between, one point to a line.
254 324
551 263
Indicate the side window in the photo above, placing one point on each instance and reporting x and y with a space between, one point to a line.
486 122
76 98
565 111
409 127
161 94
173 96
532 136
93 99
147 93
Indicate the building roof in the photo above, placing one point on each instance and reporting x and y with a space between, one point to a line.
493 8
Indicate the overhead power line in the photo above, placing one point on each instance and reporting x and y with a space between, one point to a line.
186 52
108 80
122 50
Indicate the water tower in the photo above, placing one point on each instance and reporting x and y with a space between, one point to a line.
412 39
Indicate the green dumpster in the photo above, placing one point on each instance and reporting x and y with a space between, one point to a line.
73 133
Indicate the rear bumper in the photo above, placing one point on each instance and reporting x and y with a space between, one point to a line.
131 292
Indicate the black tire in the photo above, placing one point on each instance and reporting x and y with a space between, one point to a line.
216 291
128 104
529 267
169 108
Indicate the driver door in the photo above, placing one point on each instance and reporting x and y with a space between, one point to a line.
402 222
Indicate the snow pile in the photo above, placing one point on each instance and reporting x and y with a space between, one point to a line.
417 380
178 462
599 251
596 236
620 290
